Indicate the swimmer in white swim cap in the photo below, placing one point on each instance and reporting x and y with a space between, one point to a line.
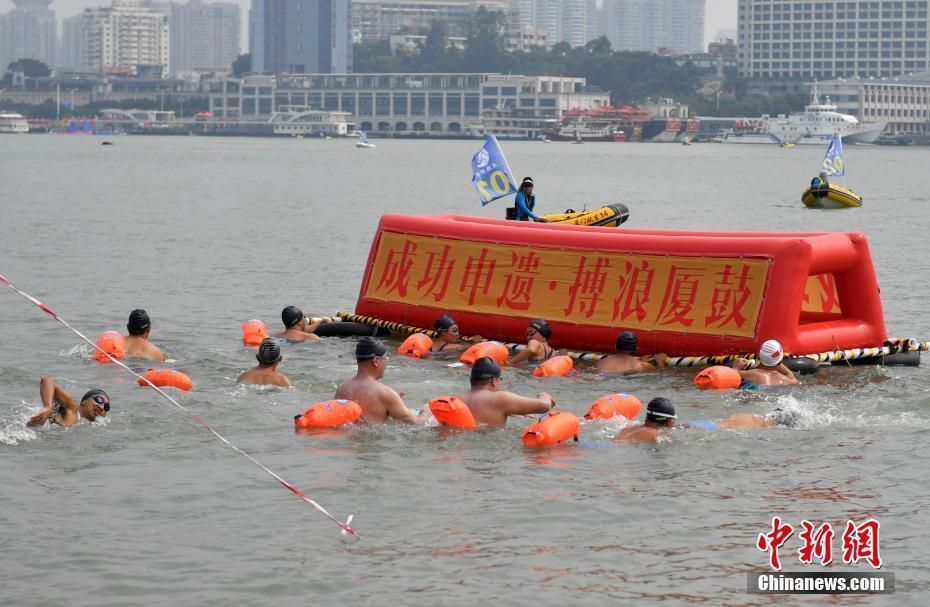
771 372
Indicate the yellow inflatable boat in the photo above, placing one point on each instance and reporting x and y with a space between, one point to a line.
610 216
830 197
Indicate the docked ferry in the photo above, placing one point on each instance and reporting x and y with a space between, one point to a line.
818 122
13 123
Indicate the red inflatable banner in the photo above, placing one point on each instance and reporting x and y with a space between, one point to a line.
683 293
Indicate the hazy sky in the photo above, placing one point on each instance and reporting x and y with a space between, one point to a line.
721 14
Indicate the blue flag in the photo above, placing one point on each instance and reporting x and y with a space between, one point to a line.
490 174
834 163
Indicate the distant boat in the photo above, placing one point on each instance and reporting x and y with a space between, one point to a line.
106 143
829 195
363 141
13 123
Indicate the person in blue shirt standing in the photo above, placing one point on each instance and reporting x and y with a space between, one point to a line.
525 202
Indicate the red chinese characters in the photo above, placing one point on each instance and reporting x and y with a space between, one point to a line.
731 293
772 541
437 274
633 294
588 286
518 285
396 270
861 542
680 294
477 276
816 543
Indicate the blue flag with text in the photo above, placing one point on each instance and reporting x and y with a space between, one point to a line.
491 175
834 163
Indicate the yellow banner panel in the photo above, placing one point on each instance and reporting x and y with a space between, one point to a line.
703 295
820 295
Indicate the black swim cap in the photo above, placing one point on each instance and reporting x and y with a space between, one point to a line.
443 323
660 410
94 392
626 342
485 369
138 322
542 327
780 417
269 352
368 348
290 316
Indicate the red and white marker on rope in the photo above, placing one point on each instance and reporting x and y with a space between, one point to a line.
346 529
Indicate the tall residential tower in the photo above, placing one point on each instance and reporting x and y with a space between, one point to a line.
301 36
204 36
650 25
28 32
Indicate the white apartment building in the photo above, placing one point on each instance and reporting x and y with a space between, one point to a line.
204 35
791 40
650 25
572 21
901 101
380 19
126 35
28 32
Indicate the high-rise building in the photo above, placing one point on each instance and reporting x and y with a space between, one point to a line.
380 19
69 52
127 35
571 21
301 36
798 41
28 32
650 25
204 36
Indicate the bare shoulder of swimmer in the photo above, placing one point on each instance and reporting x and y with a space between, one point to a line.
397 409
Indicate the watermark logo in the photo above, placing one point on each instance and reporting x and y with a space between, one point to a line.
860 543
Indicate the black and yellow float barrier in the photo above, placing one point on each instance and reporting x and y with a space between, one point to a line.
895 352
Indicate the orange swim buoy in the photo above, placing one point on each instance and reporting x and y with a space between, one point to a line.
614 405
557 365
166 377
416 346
452 411
551 429
493 349
113 344
328 414
254 332
718 377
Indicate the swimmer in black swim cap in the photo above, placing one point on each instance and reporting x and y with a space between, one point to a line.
448 336
490 405
660 416
297 326
137 342
626 361
378 402
537 348
59 407
266 373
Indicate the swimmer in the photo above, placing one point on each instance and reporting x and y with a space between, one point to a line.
660 415
448 337
378 401
59 407
537 348
266 373
747 421
296 326
490 405
772 372
626 361
137 342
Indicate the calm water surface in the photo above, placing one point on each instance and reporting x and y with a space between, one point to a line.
148 509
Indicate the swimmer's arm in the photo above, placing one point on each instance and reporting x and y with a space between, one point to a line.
51 393
312 327
396 409
527 352
521 405
158 354
474 339
283 382
659 360
788 373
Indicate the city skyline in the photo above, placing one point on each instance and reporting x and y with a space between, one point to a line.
720 14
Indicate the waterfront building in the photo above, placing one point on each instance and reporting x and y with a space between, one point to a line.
28 32
204 36
381 19
404 104
572 21
650 25
785 41
901 101
69 51
525 38
128 35
300 36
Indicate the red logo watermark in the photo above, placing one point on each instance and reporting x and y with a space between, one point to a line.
860 542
